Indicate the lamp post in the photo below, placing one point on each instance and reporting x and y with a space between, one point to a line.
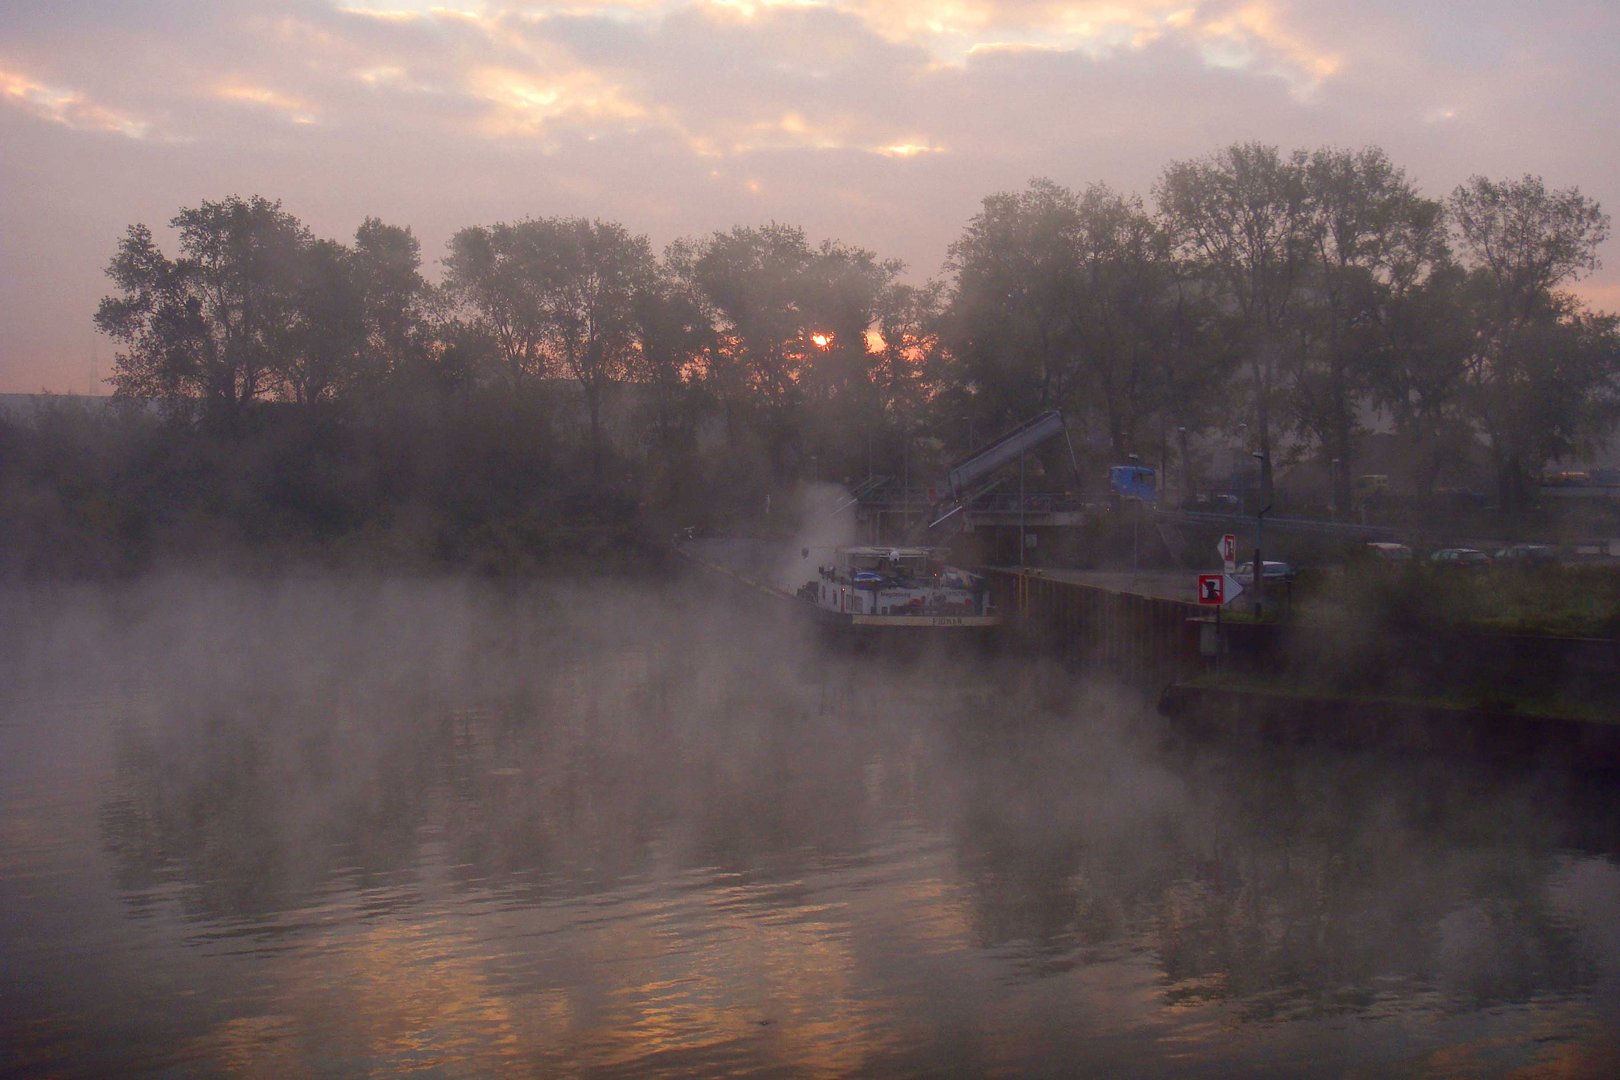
1136 523
1259 533
905 472
1238 475
1186 466
1021 510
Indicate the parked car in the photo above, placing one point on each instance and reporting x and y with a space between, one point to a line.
1212 502
1387 551
1275 573
1460 559
1528 556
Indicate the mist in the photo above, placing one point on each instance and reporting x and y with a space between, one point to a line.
652 829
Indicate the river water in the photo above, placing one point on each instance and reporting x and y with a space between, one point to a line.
322 828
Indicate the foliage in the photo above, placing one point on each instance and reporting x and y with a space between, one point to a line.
1242 217
1373 241
321 395
215 324
1540 375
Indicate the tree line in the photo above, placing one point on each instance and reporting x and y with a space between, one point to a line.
1287 295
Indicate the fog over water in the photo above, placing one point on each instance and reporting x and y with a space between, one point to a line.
322 827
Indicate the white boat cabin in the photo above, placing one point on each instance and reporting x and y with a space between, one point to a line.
899 582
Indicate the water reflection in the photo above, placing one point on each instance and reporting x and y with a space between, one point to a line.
537 843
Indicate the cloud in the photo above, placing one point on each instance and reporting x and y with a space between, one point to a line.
69 107
1255 35
880 122
522 104
722 73
295 109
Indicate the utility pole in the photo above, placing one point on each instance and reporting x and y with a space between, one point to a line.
1259 532
1136 525
1020 510
1187 491
1259 563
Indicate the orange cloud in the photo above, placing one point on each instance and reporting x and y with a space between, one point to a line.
70 108
295 109
1254 35
909 149
748 9
1233 39
524 104
410 10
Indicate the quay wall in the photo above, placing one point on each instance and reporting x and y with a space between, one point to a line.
1479 733
1155 644
1144 640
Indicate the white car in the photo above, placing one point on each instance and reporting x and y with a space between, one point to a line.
1389 552
1275 573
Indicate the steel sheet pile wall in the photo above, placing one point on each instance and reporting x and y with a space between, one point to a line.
1139 639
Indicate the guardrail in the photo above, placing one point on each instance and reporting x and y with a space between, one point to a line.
1308 525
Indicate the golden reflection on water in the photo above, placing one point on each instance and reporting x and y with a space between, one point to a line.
260 1047
392 998
424 996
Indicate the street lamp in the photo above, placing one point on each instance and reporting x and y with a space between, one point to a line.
1259 533
1235 467
1186 466
1136 524
1022 538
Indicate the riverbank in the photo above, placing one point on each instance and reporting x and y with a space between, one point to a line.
1575 736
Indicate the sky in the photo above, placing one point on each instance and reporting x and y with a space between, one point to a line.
880 123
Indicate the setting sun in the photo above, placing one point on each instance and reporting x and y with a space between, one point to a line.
821 340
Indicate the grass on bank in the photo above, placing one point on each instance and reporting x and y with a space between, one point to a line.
1561 601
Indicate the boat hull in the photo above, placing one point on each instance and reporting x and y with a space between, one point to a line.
939 622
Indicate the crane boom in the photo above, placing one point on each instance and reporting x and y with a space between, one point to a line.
1019 440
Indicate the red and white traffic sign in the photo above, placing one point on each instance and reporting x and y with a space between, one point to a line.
1218 589
1229 551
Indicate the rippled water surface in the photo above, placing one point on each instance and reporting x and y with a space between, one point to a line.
309 828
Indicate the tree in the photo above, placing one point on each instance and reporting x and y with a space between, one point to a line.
500 273
1075 302
1241 216
558 295
1540 371
1125 301
754 280
1530 240
319 353
1010 322
1373 240
210 326
598 270
907 368
677 345
845 289
387 267
1426 331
